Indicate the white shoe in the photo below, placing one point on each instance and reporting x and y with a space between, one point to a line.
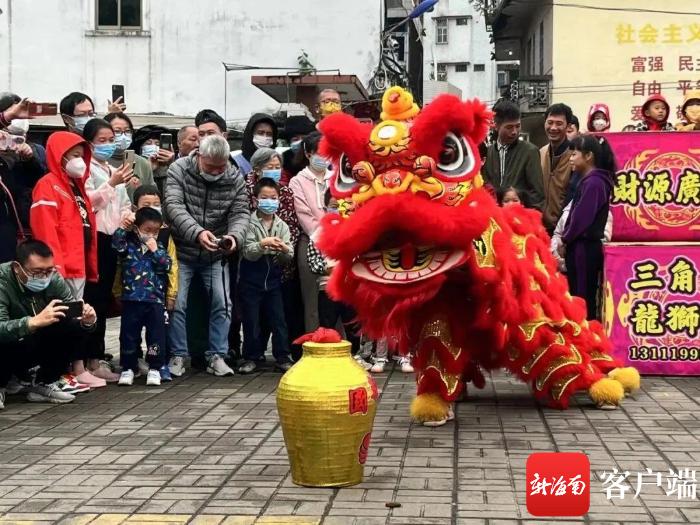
143 367
50 393
406 366
439 423
218 367
153 378
177 366
378 366
364 364
127 378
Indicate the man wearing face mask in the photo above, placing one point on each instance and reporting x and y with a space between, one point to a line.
207 207
34 328
260 132
328 103
76 110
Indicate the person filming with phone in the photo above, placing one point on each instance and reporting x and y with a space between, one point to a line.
40 322
207 209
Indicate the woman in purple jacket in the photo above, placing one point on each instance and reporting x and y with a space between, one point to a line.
594 160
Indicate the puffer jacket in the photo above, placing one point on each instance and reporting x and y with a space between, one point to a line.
17 304
193 205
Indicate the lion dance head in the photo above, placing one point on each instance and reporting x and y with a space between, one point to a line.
407 189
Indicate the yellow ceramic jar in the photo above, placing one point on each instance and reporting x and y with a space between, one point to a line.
326 403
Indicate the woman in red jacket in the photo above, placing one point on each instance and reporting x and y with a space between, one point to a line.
62 217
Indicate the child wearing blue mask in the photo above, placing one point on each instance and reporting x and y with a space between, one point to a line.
266 250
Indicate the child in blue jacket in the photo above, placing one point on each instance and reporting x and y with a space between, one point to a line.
145 266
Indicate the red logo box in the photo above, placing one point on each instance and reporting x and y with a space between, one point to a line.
558 484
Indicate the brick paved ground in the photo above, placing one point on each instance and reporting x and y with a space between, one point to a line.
207 450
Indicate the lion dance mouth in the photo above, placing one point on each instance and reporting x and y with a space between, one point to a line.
426 257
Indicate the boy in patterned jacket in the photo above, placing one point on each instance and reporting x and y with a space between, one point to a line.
145 265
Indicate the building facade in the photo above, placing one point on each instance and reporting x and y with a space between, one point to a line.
169 55
457 50
608 51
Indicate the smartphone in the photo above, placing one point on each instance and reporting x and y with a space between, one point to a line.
130 158
42 108
75 309
166 141
118 91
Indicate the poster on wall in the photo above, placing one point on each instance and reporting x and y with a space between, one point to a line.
656 196
652 306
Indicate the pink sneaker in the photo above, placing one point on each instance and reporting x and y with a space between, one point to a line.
89 379
102 372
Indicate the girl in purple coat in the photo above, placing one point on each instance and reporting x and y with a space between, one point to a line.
583 234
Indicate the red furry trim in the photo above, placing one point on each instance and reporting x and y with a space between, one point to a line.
444 114
343 133
421 220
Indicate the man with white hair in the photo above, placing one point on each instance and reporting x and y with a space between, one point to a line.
207 208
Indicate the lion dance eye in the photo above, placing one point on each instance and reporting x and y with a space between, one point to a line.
456 158
345 182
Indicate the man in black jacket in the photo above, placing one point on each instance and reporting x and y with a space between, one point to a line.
511 162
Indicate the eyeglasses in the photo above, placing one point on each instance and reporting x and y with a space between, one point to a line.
39 274
92 114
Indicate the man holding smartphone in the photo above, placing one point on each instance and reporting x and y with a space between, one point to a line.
207 207
39 322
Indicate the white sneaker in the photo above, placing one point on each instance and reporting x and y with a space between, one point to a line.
143 367
177 366
360 361
153 378
218 367
2 398
378 366
127 378
406 366
50 393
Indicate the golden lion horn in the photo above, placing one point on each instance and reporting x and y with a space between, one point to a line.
397 104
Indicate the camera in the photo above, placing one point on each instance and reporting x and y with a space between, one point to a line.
224 243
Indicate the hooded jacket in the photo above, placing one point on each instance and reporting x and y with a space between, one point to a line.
595 108
55 215
650 124
589 209
689 125
247 146
193 205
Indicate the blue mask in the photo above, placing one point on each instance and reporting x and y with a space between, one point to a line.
333 211
318 163
79 122
103 151
122 140
295 146
37 284
149 150
272 174
268 206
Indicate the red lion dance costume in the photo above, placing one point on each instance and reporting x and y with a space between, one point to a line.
427 257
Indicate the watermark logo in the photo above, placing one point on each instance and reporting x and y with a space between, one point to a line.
558 484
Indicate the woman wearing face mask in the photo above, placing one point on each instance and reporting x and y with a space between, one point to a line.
598 118
267 163
63 217
147 144
309 188
260 132
123 137
106 189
